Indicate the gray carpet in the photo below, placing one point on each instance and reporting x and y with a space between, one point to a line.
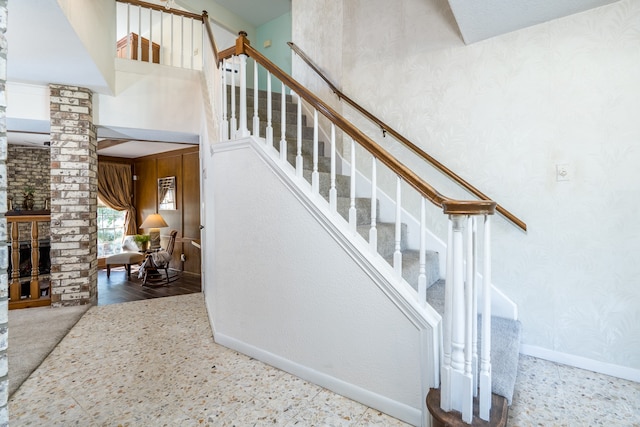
33 334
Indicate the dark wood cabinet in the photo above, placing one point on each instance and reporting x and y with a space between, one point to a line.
127 48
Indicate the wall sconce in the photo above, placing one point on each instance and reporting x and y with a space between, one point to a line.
154 223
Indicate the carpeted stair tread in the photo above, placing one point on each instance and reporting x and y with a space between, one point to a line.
343 183
411 267
505 344
363 209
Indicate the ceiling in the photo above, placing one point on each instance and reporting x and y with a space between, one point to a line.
38 54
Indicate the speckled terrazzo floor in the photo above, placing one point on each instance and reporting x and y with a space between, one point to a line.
154 363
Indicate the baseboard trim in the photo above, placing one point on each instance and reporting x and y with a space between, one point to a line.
610 369
393 408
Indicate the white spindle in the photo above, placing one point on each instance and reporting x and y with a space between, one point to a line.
373 232
445 374
225 122
192 42
139 49
172 50
283 125
182 42
269 128
256 119
353 214
315 177
161 44
233 122
485 353
474 307
243 130
422 256
129 36
467 379
299 164
150 50
333 193
397 254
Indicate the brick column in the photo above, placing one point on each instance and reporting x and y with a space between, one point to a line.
4 260
74 190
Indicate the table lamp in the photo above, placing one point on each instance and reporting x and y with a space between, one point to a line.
154 222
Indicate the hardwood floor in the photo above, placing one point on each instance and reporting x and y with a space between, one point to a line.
118 288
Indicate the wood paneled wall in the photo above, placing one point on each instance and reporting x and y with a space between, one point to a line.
185 166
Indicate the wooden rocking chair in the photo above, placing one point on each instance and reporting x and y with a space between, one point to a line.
160 260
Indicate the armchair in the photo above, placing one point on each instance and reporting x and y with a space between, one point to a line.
158 260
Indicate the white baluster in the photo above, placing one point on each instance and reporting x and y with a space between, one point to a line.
161 44
333 193
459 398
353 214
243 130
315 177
182 42
373 232
422 274
150 52
225 122
130 42
485 353
299 138
139 52
467 380
192 43
445 373
474 312
256 119
233 122
269 129
397 254
283 125
171 50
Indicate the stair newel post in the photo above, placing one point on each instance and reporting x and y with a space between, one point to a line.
485 354
373 232
445 374
422 274
283 125
315 178
333 193
269 129
233 122
397 254
299 164
243 129
353 213
469 322
474 307
256 118
460 400
225 122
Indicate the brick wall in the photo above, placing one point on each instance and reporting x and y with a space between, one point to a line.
74 191
28 166
4 283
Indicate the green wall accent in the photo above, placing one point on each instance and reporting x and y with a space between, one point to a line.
278 31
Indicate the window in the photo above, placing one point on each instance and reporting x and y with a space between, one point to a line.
110 230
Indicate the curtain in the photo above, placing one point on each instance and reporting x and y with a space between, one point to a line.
115 189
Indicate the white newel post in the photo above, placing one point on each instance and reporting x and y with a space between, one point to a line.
445 374
244 130
485 352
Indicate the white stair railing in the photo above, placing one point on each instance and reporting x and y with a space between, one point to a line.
461 377
151 33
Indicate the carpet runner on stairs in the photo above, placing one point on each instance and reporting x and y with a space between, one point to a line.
505 333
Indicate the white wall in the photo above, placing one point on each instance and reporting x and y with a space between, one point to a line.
281 288
503 113
151 96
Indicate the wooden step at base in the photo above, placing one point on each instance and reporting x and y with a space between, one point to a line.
497 416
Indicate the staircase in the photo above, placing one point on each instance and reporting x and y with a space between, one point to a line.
505 333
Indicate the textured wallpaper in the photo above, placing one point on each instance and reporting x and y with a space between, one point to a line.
503 113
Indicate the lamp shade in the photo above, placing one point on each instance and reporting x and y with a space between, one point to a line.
154 221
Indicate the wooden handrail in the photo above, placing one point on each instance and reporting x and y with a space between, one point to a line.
473 207
212 40
413 147
163 9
